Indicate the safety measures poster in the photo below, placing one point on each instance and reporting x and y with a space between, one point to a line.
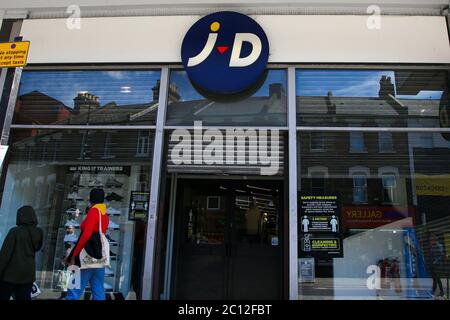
320 226
139 202
319 214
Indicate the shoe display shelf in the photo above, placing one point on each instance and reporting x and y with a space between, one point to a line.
75 204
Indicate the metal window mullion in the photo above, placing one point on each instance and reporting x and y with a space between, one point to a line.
373 129
228 127
149 257
170 238
11 105
15 31
81 127
275 66
292 136
3 70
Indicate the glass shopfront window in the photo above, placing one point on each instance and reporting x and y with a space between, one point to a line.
373 206
393 217
114 97
386 98
54 171
266 107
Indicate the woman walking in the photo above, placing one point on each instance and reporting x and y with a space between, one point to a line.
17 256
90 236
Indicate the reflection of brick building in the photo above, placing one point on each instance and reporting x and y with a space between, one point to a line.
38 108
72 146
369 170
256 110
60 147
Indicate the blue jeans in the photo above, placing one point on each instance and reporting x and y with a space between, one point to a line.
96 277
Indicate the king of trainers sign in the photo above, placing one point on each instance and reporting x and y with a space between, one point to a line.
226 148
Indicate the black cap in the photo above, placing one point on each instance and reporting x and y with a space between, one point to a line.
97 196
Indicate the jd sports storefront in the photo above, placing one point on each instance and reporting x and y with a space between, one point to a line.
327 177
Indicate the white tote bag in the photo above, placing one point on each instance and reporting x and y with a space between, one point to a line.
35 291
88 262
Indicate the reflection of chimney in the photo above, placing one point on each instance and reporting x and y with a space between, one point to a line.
387 93
331 106
85 101
386 87
173 95
276 90
155 90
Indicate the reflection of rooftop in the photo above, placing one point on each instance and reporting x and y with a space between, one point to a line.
218 112
87 110
38 108
255 110
365 106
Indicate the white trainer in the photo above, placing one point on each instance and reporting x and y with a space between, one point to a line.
113 211
113 225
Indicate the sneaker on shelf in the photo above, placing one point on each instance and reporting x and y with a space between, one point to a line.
95 183
112 254
112 182
113 225
74 196
111 240
107 286
113 211
73 211
84 181
70 238
113 197
72 223
109 272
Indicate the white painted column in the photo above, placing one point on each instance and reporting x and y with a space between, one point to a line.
293 237
149 257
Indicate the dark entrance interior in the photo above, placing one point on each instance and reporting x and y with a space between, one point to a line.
228 240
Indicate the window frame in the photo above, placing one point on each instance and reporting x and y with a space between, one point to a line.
391 141
355 175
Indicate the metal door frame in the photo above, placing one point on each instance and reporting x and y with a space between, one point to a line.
174 195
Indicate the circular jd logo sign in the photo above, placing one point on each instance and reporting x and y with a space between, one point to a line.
225 53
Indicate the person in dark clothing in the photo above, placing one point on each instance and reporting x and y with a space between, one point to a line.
17 256
437 260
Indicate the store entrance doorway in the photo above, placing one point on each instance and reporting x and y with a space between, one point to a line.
228 240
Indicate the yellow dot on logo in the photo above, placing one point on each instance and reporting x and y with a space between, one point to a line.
215 26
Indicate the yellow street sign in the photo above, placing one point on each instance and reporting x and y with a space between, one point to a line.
14 54
437 185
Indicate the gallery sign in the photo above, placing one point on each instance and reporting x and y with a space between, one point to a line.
359 217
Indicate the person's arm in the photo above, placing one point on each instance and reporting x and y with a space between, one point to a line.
7 250
40 240
89 225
